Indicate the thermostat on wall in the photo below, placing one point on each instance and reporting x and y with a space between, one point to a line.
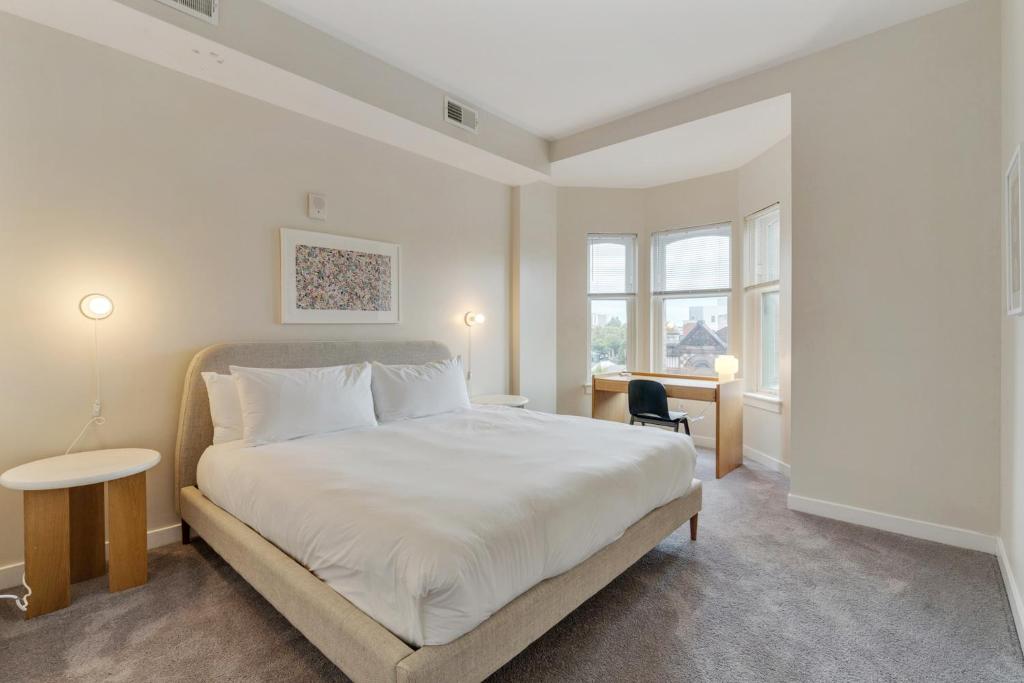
316 206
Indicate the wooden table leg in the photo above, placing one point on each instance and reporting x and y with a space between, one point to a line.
47 551
87 560
127 516
728 428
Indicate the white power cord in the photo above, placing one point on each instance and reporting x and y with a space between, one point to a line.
92 421
97 406
22 602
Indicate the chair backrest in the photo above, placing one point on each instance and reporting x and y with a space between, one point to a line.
647 397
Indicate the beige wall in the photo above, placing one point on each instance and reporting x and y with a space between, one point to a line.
1012 517
167 194
761 183
896 143
534 277
582 210
724 197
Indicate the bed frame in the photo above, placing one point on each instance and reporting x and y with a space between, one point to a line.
363 649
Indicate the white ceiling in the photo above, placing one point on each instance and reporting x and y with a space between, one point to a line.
555 67
715 144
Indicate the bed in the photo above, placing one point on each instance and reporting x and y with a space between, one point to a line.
477 604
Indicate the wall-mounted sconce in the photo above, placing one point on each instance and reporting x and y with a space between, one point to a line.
471 318
95 307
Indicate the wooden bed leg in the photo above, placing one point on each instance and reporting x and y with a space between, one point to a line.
186 533
693 528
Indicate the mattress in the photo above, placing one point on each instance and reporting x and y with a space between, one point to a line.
431 525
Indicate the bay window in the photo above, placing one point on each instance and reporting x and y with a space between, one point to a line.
761 300
611 302
690 289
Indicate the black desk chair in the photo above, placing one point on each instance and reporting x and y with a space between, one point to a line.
648 404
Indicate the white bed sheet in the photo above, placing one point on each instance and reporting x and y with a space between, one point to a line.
431 525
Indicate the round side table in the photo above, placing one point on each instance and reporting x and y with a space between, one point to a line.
510 400
64 529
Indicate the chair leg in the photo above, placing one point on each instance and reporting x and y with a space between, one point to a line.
677 427
686 426
693 528
632 420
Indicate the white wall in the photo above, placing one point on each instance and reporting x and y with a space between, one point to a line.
534 280
1012 511
167 194
895 142
724 197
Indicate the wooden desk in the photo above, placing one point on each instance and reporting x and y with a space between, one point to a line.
608 402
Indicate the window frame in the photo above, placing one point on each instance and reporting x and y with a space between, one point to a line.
753 304
628 297
659 297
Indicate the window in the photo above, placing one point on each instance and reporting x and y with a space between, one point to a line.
611 294
761 299
690 296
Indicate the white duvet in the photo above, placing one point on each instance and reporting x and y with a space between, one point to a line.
433 524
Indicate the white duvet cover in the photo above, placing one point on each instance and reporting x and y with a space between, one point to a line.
431 525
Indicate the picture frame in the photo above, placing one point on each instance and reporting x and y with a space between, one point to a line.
1014 209
332 279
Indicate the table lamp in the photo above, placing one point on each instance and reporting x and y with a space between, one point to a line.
727 367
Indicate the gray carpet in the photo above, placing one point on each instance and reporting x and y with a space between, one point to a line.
765 595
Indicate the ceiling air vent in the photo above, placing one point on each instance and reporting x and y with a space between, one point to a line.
200 9
460 115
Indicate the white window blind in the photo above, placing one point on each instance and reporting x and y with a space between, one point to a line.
611 264
762 247
691 260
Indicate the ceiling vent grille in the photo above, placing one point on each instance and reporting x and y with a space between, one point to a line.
200 9
460 115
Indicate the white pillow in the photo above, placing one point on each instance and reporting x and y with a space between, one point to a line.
278 404
401 392
225 410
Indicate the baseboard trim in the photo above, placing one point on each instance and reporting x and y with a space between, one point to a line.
10 575
928 531
703 441
766 460
1012 592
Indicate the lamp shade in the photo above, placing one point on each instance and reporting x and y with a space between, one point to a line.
96 306
727 367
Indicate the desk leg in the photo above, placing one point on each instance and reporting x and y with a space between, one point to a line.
127 513
729 428
47 551
608 405
87 531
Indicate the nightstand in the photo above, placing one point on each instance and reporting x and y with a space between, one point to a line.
510 400
64 528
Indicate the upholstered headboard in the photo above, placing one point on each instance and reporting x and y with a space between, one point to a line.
195 429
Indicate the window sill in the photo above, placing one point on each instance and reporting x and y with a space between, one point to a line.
766 402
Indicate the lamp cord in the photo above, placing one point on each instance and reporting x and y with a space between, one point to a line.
96 418
469 354
22 602
96 356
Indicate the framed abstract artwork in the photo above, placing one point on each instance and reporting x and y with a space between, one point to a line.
1014 256
333 279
